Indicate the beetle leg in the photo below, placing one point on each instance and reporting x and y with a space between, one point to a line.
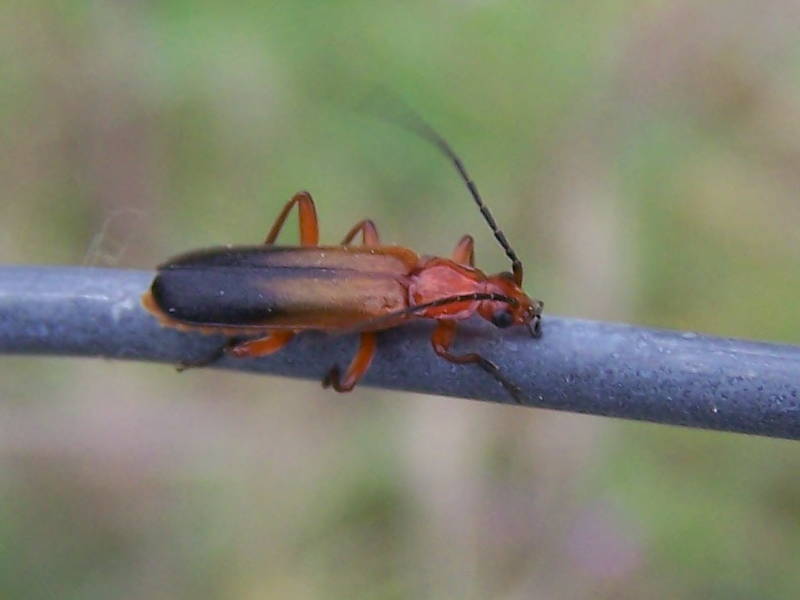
464 254
357 368
269 344
369 233
204 362
307 214
443 337
262 346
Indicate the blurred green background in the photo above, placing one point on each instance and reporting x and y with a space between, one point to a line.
644 157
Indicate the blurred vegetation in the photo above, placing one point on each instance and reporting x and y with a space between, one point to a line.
642 156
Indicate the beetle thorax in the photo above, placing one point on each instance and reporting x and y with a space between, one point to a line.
439 278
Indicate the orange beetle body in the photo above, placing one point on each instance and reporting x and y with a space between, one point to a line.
270 293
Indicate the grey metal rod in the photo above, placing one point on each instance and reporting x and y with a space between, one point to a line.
583 366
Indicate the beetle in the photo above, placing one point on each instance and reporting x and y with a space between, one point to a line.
269 293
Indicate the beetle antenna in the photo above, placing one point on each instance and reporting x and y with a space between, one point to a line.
419 126
410 310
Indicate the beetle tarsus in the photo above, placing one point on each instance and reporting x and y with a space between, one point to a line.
443 338
332 379
209 360
358 366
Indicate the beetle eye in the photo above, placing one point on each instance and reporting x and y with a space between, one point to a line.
502 318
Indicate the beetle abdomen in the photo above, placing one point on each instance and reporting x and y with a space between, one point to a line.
214 296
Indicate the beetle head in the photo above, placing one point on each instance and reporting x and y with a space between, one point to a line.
523 311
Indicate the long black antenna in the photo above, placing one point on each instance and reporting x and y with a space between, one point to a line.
418 125
387 318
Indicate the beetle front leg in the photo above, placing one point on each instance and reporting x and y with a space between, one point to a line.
357 368
369 233
442 339
464 254
306 214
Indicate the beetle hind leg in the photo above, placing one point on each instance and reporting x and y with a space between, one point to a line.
209 360
242 348
263 346
217 354
358 366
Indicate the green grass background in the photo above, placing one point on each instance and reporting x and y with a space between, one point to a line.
644 159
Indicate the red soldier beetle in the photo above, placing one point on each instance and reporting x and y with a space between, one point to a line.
269 293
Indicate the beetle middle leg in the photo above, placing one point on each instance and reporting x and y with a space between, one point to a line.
369 233
309 236
306 214
442 339
358 366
